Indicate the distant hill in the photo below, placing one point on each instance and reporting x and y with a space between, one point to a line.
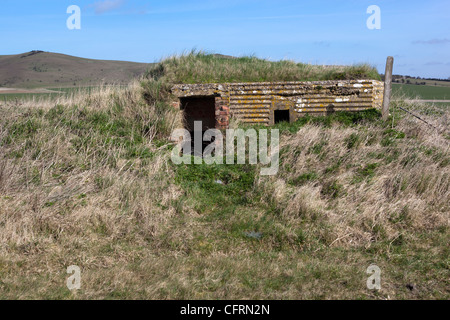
36 69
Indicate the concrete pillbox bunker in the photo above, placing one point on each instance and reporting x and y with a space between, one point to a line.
267 103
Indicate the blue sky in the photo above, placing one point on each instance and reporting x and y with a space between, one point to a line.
416 33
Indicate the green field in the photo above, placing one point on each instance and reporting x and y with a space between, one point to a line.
29 96
26 96
422 92
428 82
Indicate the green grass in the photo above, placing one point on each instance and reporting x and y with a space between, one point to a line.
200 67
422 92
304 178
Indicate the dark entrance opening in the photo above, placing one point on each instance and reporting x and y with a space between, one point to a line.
281 116
199 109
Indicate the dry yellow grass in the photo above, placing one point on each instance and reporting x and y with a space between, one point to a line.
87 180
413 185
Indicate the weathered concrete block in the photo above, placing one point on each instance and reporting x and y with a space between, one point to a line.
257 102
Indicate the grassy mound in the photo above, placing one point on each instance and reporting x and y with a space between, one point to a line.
199 67
87 180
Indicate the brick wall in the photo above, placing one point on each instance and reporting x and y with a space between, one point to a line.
222 112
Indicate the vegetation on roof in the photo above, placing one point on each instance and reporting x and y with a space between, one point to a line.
201 67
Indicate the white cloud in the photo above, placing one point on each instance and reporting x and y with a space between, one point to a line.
107 5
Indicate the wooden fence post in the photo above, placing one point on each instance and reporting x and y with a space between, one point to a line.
387 87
